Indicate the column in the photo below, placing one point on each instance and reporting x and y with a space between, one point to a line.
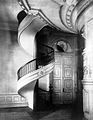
88 71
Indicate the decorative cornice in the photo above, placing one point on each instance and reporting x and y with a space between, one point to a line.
70 12
68 16
32 11
29 10
79 10
68 22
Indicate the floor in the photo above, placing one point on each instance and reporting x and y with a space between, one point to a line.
45 110
63 112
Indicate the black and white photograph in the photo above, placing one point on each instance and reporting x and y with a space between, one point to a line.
46 59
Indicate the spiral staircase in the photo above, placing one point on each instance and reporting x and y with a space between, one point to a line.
70 16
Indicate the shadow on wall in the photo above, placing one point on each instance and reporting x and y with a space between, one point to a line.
81 45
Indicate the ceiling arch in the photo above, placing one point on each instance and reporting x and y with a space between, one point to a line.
65 15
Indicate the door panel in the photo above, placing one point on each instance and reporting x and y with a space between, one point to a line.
68 85
64 78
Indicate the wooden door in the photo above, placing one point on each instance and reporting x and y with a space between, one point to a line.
64 78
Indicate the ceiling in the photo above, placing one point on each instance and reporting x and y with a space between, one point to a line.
64 14
8 14
10 8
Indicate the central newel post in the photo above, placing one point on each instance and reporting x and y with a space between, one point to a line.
88 71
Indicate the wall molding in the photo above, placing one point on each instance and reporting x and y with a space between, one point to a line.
12 100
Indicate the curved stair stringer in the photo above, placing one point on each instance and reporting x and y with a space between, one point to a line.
26 83
28 75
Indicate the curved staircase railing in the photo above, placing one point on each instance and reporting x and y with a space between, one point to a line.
45 60
42 62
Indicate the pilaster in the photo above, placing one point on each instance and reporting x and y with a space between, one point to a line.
88 71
